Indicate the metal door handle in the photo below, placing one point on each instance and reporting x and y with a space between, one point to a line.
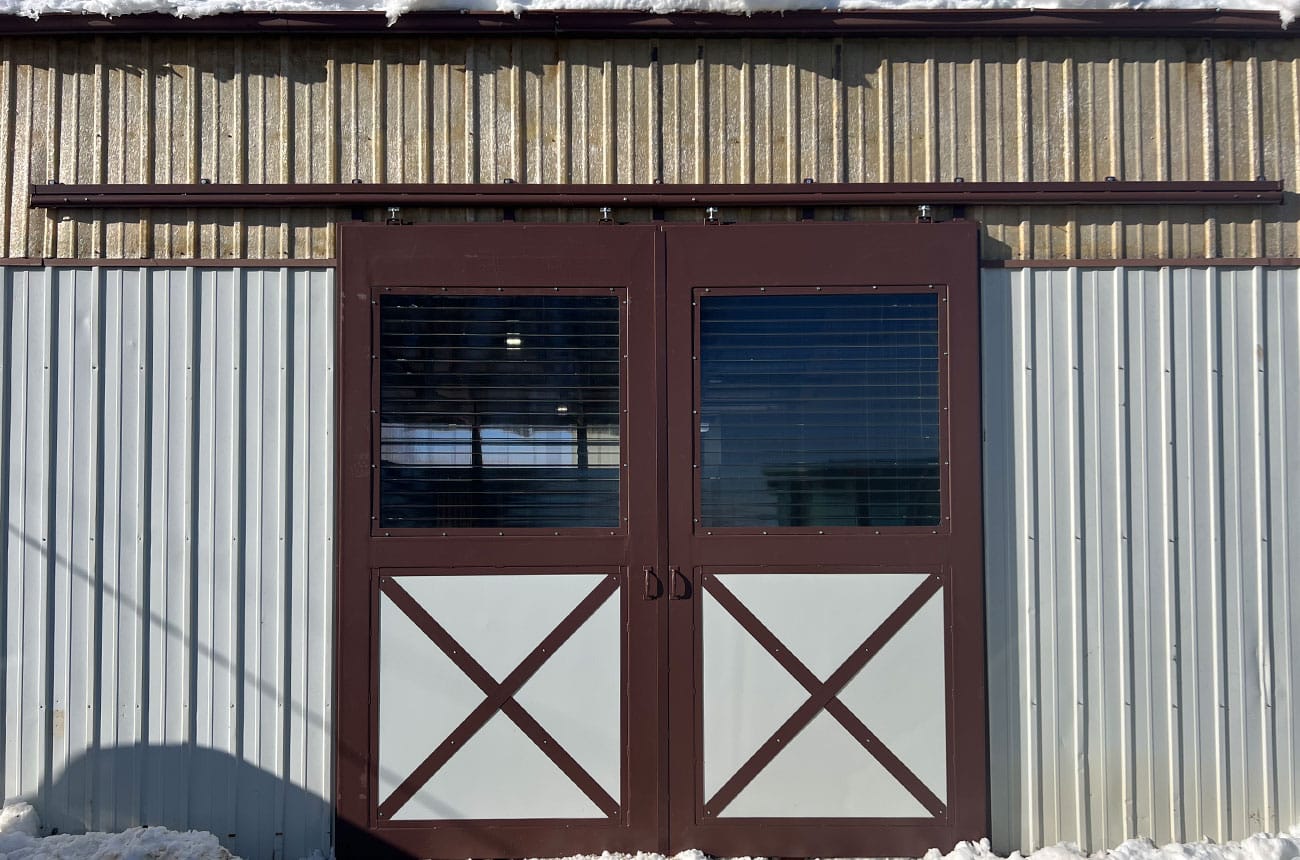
680 587
653 587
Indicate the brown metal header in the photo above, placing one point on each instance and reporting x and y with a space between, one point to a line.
610 24
656 195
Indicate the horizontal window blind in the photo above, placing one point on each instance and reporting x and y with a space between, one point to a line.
819 409
499 410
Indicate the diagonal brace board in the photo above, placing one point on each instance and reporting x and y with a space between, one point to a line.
500 696
823 695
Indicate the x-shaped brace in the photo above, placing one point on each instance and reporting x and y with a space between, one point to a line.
823 695
500 696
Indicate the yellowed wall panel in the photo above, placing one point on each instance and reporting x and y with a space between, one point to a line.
409 109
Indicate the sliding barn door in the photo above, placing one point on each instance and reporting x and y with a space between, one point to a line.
498 660
659 537
826 661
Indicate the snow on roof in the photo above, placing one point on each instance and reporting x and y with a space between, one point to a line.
1286 9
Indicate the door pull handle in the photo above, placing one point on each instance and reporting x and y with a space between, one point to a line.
680 587
652 587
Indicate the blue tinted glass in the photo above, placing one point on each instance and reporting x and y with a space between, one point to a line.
819 410
499 411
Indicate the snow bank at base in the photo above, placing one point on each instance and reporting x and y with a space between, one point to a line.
19 823
18 841
1286 9
19 818
1261 846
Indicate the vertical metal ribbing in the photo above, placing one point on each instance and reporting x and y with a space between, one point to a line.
699 84
374 103
308 113
609 148
656 113
1153 612
94 243
8 116
6 468
1209 143
166 546
1255 145
1024 141
144 166
1282 375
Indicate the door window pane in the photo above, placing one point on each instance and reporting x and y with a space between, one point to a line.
819 409
499 411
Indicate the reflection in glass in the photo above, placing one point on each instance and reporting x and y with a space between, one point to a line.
819 409
499 411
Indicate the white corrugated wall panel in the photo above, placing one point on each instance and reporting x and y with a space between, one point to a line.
165 481
1142 483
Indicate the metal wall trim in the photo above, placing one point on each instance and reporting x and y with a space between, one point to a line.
155 263
1149 262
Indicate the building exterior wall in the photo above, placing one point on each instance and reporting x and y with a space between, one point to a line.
167 450
165 483
166 565
157 109
1142 484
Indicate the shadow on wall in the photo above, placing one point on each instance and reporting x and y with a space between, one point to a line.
255 813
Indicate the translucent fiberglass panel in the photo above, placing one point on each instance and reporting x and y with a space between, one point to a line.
819 409
499 411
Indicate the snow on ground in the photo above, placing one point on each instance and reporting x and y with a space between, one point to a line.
19 818
1261 846
1287 9
18 841
19 825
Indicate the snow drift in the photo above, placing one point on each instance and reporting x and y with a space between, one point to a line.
1261 846
19 826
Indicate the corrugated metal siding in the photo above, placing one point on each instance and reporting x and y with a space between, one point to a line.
298 109
165 485
1142 505
166 562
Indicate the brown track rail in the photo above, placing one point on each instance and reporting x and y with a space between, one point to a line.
662 196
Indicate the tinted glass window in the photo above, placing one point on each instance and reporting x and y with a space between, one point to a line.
499 411
819 409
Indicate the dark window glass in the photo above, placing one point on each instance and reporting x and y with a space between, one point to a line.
499 411
819 410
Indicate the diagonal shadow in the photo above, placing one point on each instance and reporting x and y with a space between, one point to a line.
217 658
55 560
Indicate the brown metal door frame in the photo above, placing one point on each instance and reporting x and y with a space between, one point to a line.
749 258
379 258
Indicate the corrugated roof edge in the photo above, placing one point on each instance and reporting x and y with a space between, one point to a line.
614 24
